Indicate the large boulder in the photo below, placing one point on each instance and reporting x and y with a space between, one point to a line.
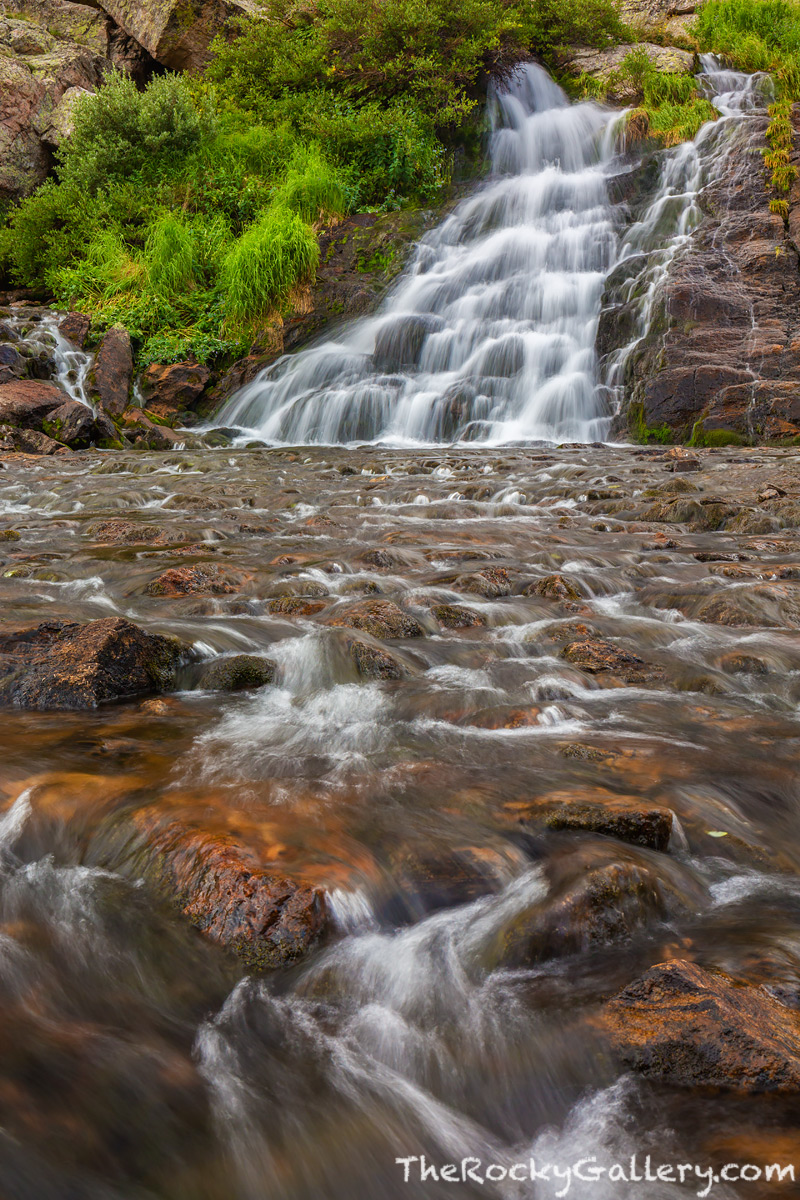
27 403
684 1025
111 376
220 883
69 666
171 388
672 18
40 77
178 33
379 618
72 22
28 441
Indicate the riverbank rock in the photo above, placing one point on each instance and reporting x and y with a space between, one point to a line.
112 373
177 34
684 1025
27 403
59 665
171 388
723 348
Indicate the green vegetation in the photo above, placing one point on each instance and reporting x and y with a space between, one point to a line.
762 35
188 211
641 432
671 109
715 437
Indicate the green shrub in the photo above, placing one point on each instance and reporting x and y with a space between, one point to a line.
170 256
313 188
121 132
260 269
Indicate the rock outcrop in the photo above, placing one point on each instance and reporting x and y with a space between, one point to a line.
47 60
61 665
684 1025
723 348
605 66
176 33
112 373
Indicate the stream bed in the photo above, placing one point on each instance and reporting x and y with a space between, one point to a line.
589 623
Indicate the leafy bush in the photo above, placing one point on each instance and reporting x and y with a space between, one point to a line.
121 132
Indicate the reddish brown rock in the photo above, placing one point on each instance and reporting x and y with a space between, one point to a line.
372 661
380 618
26 403
75 328
597 656
131 533
112 374
295 606
73 424
171 388
684 1025
69 666
28 441
597 810
185 581
491 582
554 587
221 885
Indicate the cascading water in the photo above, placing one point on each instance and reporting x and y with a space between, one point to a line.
490 337
66 364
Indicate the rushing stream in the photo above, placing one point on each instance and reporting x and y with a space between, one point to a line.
142 1061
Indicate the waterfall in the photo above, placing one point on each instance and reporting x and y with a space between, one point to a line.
38 332
490 335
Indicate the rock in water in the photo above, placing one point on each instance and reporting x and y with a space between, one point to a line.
27 403
112 373
239 673
68 666
687 1026
380 618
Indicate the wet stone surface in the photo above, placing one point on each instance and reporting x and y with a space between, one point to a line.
460 745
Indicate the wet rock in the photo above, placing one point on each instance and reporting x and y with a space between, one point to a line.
185 581
26 403
73 424
296 606
593 901
597 656
595 810
112 374
373 661
223 888
457 616
70 666
688 1027
28 441
11 361
241 672
131 533
554 587
169 389
380 618
398 344
491 582
75 328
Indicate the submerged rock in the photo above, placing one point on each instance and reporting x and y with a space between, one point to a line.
457 616
239 673
184 581
596 656
595 810
684 1025
68 666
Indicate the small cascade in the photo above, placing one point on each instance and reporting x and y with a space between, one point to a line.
54 356
490 335
650 245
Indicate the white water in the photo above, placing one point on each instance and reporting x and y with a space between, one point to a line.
42 336
490 336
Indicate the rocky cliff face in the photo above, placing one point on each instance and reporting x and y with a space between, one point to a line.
53 51
723 347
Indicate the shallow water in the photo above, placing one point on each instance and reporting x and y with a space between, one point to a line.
141 1060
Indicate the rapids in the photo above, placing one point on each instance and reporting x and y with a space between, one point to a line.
140 1060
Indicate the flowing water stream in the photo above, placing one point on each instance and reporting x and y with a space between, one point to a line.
142 1062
